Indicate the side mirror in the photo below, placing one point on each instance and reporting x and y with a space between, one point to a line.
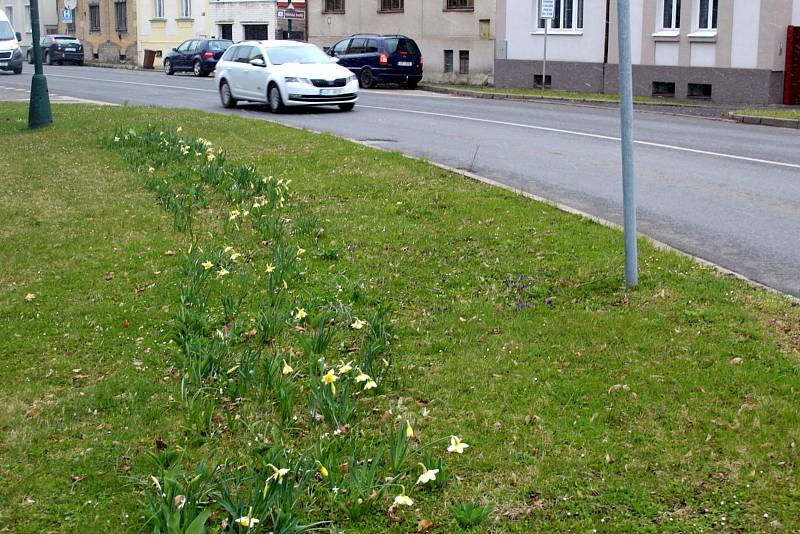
258 62
174 49
19 37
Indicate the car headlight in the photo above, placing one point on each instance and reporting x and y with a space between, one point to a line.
304 81
351 78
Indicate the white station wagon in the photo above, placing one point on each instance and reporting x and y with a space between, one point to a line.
282 74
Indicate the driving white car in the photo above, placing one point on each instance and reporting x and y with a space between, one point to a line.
283 74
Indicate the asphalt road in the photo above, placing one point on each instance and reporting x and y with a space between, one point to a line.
726 192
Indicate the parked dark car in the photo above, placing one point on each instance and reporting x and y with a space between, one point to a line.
199 56
59 49
380 58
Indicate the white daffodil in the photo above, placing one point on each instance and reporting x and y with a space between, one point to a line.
277 474
247 522
409 430
346 368
427 475
286 369
371 384
207 265
456 445
301 313
362 376
403 500
223 272
358 324
270 269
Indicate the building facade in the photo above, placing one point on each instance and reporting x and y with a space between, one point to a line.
165 24
107 29
242 20
456 36
19 13
720 50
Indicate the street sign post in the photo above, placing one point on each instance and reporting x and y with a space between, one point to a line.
626 126
66 16
547 12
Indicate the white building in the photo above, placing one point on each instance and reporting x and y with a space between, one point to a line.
242 20
723 50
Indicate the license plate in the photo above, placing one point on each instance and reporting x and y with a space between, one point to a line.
3 63
328 92
71 49
404 63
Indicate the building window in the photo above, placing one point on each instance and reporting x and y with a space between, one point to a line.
256 32
569 15
94 18
10 14
463 5
664 89
671 12
186 8
463 61
485 28
708 14
121 16
158 9
392 5
448 61
334 6
226 31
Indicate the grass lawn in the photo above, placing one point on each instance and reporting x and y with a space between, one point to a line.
564 95
669 408
774 113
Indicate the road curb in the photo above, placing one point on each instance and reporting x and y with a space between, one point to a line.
764 121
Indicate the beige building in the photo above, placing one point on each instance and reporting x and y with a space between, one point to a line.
19 13
165 24
456 36
722 50
107 29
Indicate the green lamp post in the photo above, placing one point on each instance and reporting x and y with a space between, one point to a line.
39 114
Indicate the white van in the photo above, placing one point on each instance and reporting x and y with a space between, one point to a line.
10 54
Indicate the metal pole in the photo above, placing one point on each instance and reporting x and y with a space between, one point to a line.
626 119
544 62
39 114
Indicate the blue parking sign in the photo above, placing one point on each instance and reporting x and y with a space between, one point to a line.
66 16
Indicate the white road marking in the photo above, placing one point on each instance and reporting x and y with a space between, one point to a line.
590 135
133 83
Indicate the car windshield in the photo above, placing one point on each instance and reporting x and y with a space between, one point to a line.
296 54
216 46
6 32
68 40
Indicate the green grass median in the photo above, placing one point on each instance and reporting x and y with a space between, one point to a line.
182 293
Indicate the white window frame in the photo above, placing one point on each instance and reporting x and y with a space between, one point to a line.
674 16
186 9
577 10
709 34
158 9
709 16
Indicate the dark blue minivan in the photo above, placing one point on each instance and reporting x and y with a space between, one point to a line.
380 58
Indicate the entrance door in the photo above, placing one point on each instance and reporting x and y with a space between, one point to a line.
256 32
791 78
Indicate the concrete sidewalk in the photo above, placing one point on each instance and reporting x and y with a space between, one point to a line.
14 94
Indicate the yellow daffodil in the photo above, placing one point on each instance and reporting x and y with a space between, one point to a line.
362 376
270 268
180 129
329 377
301 314
358 324
210 157
233 215
285 285
227 249
116 139
223 272
247 522
403 500
456 445
207 265
300 251
235 256
151 170
323 471
346 368
370 385
409 430
286 369
427 475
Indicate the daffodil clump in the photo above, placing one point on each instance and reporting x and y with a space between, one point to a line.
283 371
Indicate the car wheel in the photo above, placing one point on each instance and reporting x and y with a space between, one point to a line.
366 79
347 107
197 68
226 96
275 100
30 57
48 58
168 70
18 70
80 63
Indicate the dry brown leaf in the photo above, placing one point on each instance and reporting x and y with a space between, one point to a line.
424 525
